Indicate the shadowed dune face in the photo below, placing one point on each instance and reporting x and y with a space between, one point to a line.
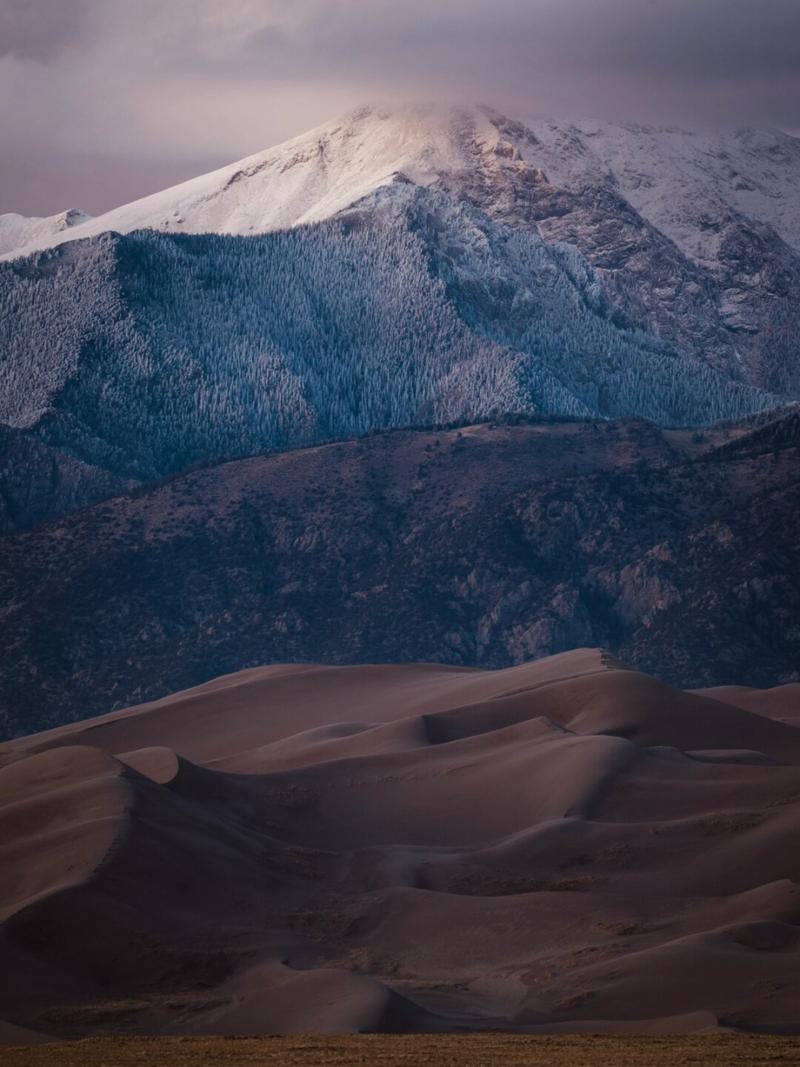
563 845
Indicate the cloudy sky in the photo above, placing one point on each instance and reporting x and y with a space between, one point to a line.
105 100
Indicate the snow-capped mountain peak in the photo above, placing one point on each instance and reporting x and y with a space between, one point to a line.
687 185
319 174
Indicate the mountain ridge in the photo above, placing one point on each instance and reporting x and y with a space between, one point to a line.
485 545
695 237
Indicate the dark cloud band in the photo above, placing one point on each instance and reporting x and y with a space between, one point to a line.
181 80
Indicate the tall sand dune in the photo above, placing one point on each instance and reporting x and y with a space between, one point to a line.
567 845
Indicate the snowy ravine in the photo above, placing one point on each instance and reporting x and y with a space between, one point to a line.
429 266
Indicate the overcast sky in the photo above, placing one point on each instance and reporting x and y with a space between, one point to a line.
105 100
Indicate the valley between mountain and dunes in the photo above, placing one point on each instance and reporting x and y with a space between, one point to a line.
399 587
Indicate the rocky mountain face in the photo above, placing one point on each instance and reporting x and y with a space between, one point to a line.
696 237
485 545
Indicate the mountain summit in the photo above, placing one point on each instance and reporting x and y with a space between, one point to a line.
318 174
681 182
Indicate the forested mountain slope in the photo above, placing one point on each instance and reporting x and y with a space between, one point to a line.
143 354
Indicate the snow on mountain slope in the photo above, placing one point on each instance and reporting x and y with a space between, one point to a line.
19 230
310 178
686 184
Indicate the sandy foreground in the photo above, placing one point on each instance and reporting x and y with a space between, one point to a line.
479 1050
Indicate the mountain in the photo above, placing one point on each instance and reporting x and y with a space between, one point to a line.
19 231
487 545
316 176
695 236
567 845
441 265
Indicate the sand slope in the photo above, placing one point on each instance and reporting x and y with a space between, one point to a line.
564 845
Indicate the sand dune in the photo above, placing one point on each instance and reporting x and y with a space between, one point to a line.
564 846
782 702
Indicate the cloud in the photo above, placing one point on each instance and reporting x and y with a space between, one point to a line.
36 29
171 83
